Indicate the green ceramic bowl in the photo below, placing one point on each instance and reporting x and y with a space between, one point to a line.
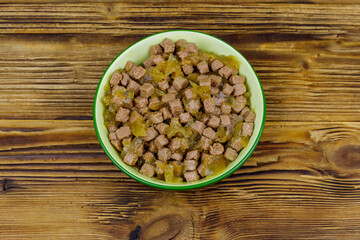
138 52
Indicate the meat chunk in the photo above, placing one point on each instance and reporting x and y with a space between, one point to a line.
236 144
250 117
225 120
141 102
205 143
155 104
236 79
130 65
191 48
157 59
152 147
191 176
240 104
201 169
162 128
130 159
168 45
204 118
147 170
216 65
214 122
218 101
203 67
189 93
175 144
190 165
239 89
163 85
122 115
230 154
187 69
166 113
172 90
226 72
247 129
225 108
137 72
159 169
217 111
209 105
176 106
123 132
176 156
160 141
216 149
125 79
117 144
151 133
179 43
185 117
155 49
146 90
148 157
164 154
198 127
193 155
133 86
180 83
204 80
156 117
194 106
227 89
215 80
244 111
148 62
182 54
168 97
112 135
215 90
116 78
209 133
144 110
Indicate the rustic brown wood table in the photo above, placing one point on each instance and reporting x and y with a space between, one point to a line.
302 181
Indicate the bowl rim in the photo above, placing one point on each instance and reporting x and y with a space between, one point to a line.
218 178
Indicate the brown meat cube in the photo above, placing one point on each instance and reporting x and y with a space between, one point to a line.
155 103
219 101
148 62
187 69
179 43
162 128
182 54
191 48
176 156
205 143
250 117
141 102
144 110
130 159
244 111
216 149
209 133
176 106
239 89
117 144
225 108
227 89
190 165
180 83
151 133
201 169
123 132
159 167
236 144
172 90
157 59
112 135
194 106
204 80
216 65
152 147
203 67
204 118
115 78
247 129
156 117
161 141
148 157
225 120
209 105
163 85
137 72
146 90
168 97
117 88
230 154
185 117
175 144
214 122
189 93
164 154
215 80
191 176
168 45
226 72
215 91
130 65
147 170
112 127
240 104
193 155
217 111
125 79
166 113
198 127
155 49
133 86
122 115
236 79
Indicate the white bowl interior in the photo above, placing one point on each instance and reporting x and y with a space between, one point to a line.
139 52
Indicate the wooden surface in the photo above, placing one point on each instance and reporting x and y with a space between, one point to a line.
302 182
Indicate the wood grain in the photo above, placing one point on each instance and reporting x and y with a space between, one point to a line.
302 181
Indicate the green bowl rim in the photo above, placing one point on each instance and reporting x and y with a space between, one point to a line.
180 187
